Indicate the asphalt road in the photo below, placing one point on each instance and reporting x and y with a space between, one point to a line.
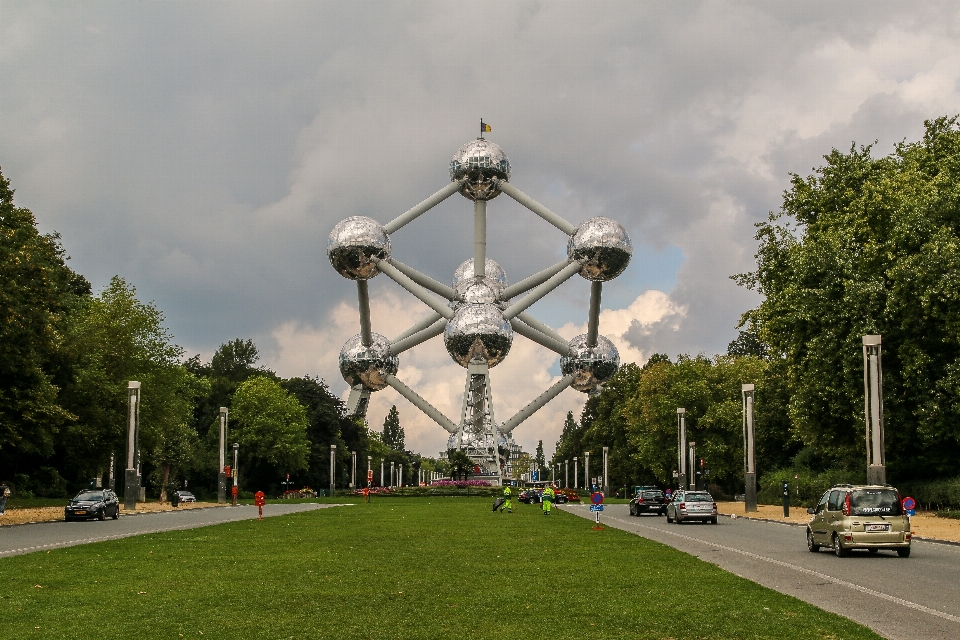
913 598
27 538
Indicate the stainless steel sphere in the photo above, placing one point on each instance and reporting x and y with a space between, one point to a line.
481 161
354 243
603 248
590 367
492 271
473 290
478 332
368 366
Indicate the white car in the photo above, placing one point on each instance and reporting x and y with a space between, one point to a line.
692 505
186 496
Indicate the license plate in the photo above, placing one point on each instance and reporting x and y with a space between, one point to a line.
80 513
878 527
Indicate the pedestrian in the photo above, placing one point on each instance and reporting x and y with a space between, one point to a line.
4 494
259 499
548 495
507 502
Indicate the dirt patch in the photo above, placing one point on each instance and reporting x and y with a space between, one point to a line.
925 524
46 514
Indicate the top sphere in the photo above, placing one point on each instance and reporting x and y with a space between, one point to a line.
480 161
602 247
354 243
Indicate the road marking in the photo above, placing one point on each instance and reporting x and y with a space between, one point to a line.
811 572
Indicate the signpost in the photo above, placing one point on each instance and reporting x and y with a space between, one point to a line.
597 499
909 505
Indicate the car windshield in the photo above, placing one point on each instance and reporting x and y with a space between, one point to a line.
89 495
186 494
881 502
652 494
697 497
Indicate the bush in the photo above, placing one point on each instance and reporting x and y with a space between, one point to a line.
939 495
806 488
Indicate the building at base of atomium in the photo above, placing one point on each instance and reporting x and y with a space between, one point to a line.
479 312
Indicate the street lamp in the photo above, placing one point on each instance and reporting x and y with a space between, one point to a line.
606 477
873 410
566 474
693 464
236 450
333 462
682 446
587 480
222 475
131 479
576 473
369 470
749 459
353 470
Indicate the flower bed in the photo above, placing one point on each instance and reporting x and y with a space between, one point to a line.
462 484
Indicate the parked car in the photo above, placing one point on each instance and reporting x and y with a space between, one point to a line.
529 496
95 503
648 501
692 505
566 495
859 517
186 496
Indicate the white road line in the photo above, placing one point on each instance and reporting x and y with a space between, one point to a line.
811 572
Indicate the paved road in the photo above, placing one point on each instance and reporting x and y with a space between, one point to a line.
27 538
913 598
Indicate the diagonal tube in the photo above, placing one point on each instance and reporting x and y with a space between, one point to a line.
531 408
593 322
528 300
398 347
429 299
539 326
422 404
366 333
535 206
532 334
424 280
424 206
420 326
536 279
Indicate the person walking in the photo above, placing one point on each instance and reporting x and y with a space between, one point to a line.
4 494
548 496
507 502
259 499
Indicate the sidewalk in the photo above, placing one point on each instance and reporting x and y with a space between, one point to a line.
924 525
46 514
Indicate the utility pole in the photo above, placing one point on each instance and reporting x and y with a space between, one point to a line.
222 474
873 410
131 479
682 446
333 462
749 459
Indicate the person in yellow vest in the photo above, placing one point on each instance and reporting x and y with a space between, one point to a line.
548 496
507 502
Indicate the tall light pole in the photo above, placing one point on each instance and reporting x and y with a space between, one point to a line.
576 473
222 474
606 468
369 470
353 470
749 459
393 481
566 474
587 480
873 410
235 472
682 446
131 480
333 463
693 466
381 473
400 477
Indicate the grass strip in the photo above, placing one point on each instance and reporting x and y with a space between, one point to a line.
431 568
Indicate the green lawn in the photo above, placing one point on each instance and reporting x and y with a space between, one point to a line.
417 568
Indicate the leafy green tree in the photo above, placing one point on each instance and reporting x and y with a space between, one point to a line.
869 246
393 435
271 426
539 458
521 465
460 463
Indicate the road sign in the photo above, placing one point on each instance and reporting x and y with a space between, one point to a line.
909 503
596 507
596 498
369 475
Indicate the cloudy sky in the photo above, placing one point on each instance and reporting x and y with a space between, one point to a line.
204 151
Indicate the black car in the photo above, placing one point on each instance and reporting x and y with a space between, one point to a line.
648 501
93 503
529 496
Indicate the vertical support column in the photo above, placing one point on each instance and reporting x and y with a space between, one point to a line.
393 480
369 470
587 480
606 468
221 474
112 480
693 466
479 238
566 474
873 410
681 448
576 473
363 295
333 465
593 321
749 459
400 476
353 470
235 472
381 473
131 480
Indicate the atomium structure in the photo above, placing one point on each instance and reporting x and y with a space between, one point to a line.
480 313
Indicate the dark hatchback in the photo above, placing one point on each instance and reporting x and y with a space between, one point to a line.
99 504
648 501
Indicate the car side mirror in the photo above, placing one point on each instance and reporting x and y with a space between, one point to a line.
811 510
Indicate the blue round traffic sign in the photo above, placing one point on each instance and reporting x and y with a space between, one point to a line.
909 503
596 498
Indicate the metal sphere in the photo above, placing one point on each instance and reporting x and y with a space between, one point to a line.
368 366
354 243
590 367
603 248
485 290
480 161
478 332
492 271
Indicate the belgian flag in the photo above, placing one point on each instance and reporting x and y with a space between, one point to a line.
484 128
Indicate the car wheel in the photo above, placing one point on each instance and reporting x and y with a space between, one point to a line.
679 519
102 514
812 546
713 520
873 550
116 513
838 548
669 519
904 553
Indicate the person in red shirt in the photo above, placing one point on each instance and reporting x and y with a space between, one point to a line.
259 499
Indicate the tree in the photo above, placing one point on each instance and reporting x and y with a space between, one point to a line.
271 427
460 464
521 465
393 435
539 459
869 246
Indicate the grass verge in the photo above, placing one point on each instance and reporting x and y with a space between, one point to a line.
409 569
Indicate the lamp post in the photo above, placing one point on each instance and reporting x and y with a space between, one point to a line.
393 481
873 410
235 472
576 473
566 474
131 480
693 465
682 446
606 468
333 463
353 470
749 459
369 470
381 473
222 473
587 480
400 476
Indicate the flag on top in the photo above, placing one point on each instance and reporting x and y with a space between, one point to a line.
484 128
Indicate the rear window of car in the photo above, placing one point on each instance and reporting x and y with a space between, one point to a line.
652 494
697 497
880 502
